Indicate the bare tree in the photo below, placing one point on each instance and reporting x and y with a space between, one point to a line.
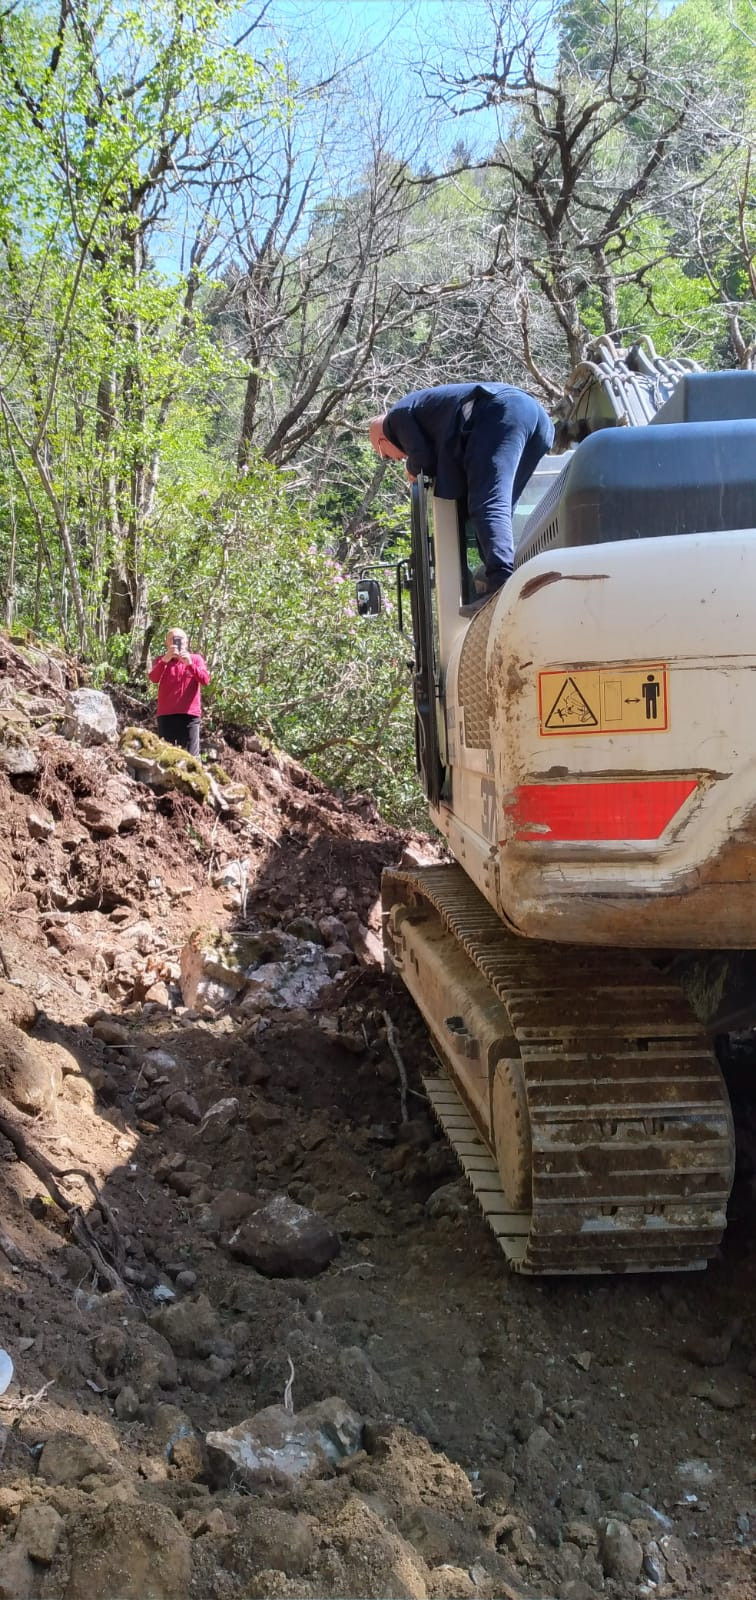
587 150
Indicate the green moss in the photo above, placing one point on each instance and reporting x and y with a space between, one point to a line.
220 775
179 770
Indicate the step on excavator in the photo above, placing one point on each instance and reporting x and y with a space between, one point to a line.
586 741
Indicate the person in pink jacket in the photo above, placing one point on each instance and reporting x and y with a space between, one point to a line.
179 674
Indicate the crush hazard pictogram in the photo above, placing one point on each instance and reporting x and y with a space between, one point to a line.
632 698
571 709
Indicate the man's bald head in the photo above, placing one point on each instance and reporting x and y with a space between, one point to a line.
381 444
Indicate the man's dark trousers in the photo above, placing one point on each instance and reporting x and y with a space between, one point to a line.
480 442
182 730
504 439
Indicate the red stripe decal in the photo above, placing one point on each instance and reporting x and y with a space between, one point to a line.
628 809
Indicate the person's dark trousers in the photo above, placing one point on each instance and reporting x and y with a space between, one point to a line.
180 729
504 440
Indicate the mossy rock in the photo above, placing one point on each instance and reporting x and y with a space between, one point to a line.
172 767
221 776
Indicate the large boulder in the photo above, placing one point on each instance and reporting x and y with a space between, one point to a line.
31 1072
129 1552
281 1447
113 810
89 716
190 1326
285 1240
257 970
66 1459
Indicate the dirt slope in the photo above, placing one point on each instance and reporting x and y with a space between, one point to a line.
520 1440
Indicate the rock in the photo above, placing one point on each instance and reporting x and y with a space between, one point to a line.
16 1006
333 931
367 946
219 1117
190 1326
232 876
583 1534
721 1393
17 757
40 823
183 1105
697 1472
288 984
127 1404
539 1443
305 928
451 1200
17 1575
113 811
151 1362
279 1541
413 858
214 967
30 1072
90 717
675 1558
654 1566
129 1552
285 1240
109 1031
279 1446
159 1061
207 1376
233 1205
178 1441
39 1530
158 995
620 1553
66 1459
78 1091
110 1349
709 1352
185 1280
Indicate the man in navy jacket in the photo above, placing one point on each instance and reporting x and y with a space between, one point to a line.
479 442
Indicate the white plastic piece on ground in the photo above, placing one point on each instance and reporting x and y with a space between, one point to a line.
6 1371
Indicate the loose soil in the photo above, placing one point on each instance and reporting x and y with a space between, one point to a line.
522 1440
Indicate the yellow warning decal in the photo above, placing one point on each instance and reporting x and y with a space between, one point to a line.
603 700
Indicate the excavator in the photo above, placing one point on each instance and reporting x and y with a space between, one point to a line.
586 741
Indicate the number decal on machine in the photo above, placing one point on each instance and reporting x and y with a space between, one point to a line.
603 700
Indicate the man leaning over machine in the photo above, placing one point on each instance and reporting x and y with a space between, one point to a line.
479 442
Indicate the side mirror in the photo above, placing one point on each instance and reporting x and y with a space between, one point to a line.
369 598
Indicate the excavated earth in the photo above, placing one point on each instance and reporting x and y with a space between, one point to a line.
512 1439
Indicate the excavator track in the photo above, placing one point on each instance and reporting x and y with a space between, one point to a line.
631 1140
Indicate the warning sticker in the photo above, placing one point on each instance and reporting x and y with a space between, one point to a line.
604 700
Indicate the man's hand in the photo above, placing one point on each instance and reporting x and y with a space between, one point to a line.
184 655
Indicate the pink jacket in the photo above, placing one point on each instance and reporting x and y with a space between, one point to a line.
179 685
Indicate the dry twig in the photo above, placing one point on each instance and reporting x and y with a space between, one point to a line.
402 1070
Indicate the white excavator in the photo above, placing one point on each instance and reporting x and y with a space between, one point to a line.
587 744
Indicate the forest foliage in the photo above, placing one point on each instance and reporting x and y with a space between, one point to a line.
224 244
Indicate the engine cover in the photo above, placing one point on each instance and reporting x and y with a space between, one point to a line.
646 483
